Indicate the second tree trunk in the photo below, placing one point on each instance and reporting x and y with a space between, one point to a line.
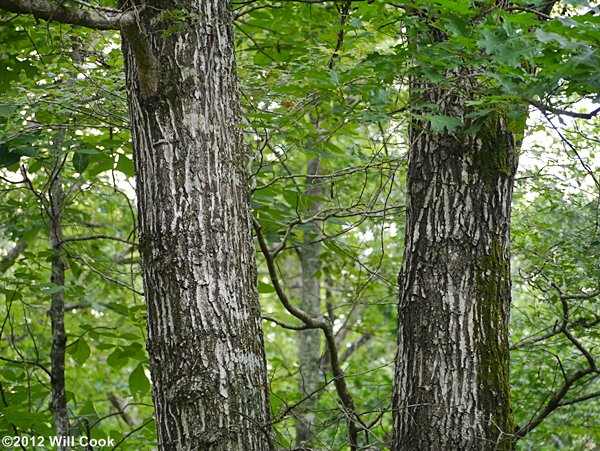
451 382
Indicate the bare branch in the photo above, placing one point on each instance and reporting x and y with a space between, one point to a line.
354 346
555 402
281 416
133 431
550 109
28 362
340 36
96 7
556 330
286 325
42 9
540 14
315 323
580 295
74 254
581 398
98 237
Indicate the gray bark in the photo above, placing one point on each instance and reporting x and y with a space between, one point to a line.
204 335
451 388
55 208
309 341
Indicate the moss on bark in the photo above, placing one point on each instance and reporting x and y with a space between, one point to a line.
493 282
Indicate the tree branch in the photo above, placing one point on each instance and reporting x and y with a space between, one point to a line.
28 362
555 402
315 323
354 346
550 109
42 9
120 406
581 398
286 325
540 14
557 399
97 237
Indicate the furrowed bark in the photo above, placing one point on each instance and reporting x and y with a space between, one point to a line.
204 335
309 341
451 387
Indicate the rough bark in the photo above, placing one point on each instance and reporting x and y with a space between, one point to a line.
451 387
58 403
309 341
204 335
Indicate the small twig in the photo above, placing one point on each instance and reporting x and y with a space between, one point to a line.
529 10
288 409
97 7
101 274
28 362
133 431
98 237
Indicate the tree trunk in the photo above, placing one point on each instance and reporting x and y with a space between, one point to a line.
451 385
309 341
55 211
204 335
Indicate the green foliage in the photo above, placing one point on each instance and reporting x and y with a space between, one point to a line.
555 246
305 95
65 99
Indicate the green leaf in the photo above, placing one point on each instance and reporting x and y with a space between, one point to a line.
80 351
563 42
125 165
439 123
458 26
138 381
80 161
45 289
11 295
24 419
7 110
460 6
265 288
490 40
99 163
8 158
116 359
88 409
